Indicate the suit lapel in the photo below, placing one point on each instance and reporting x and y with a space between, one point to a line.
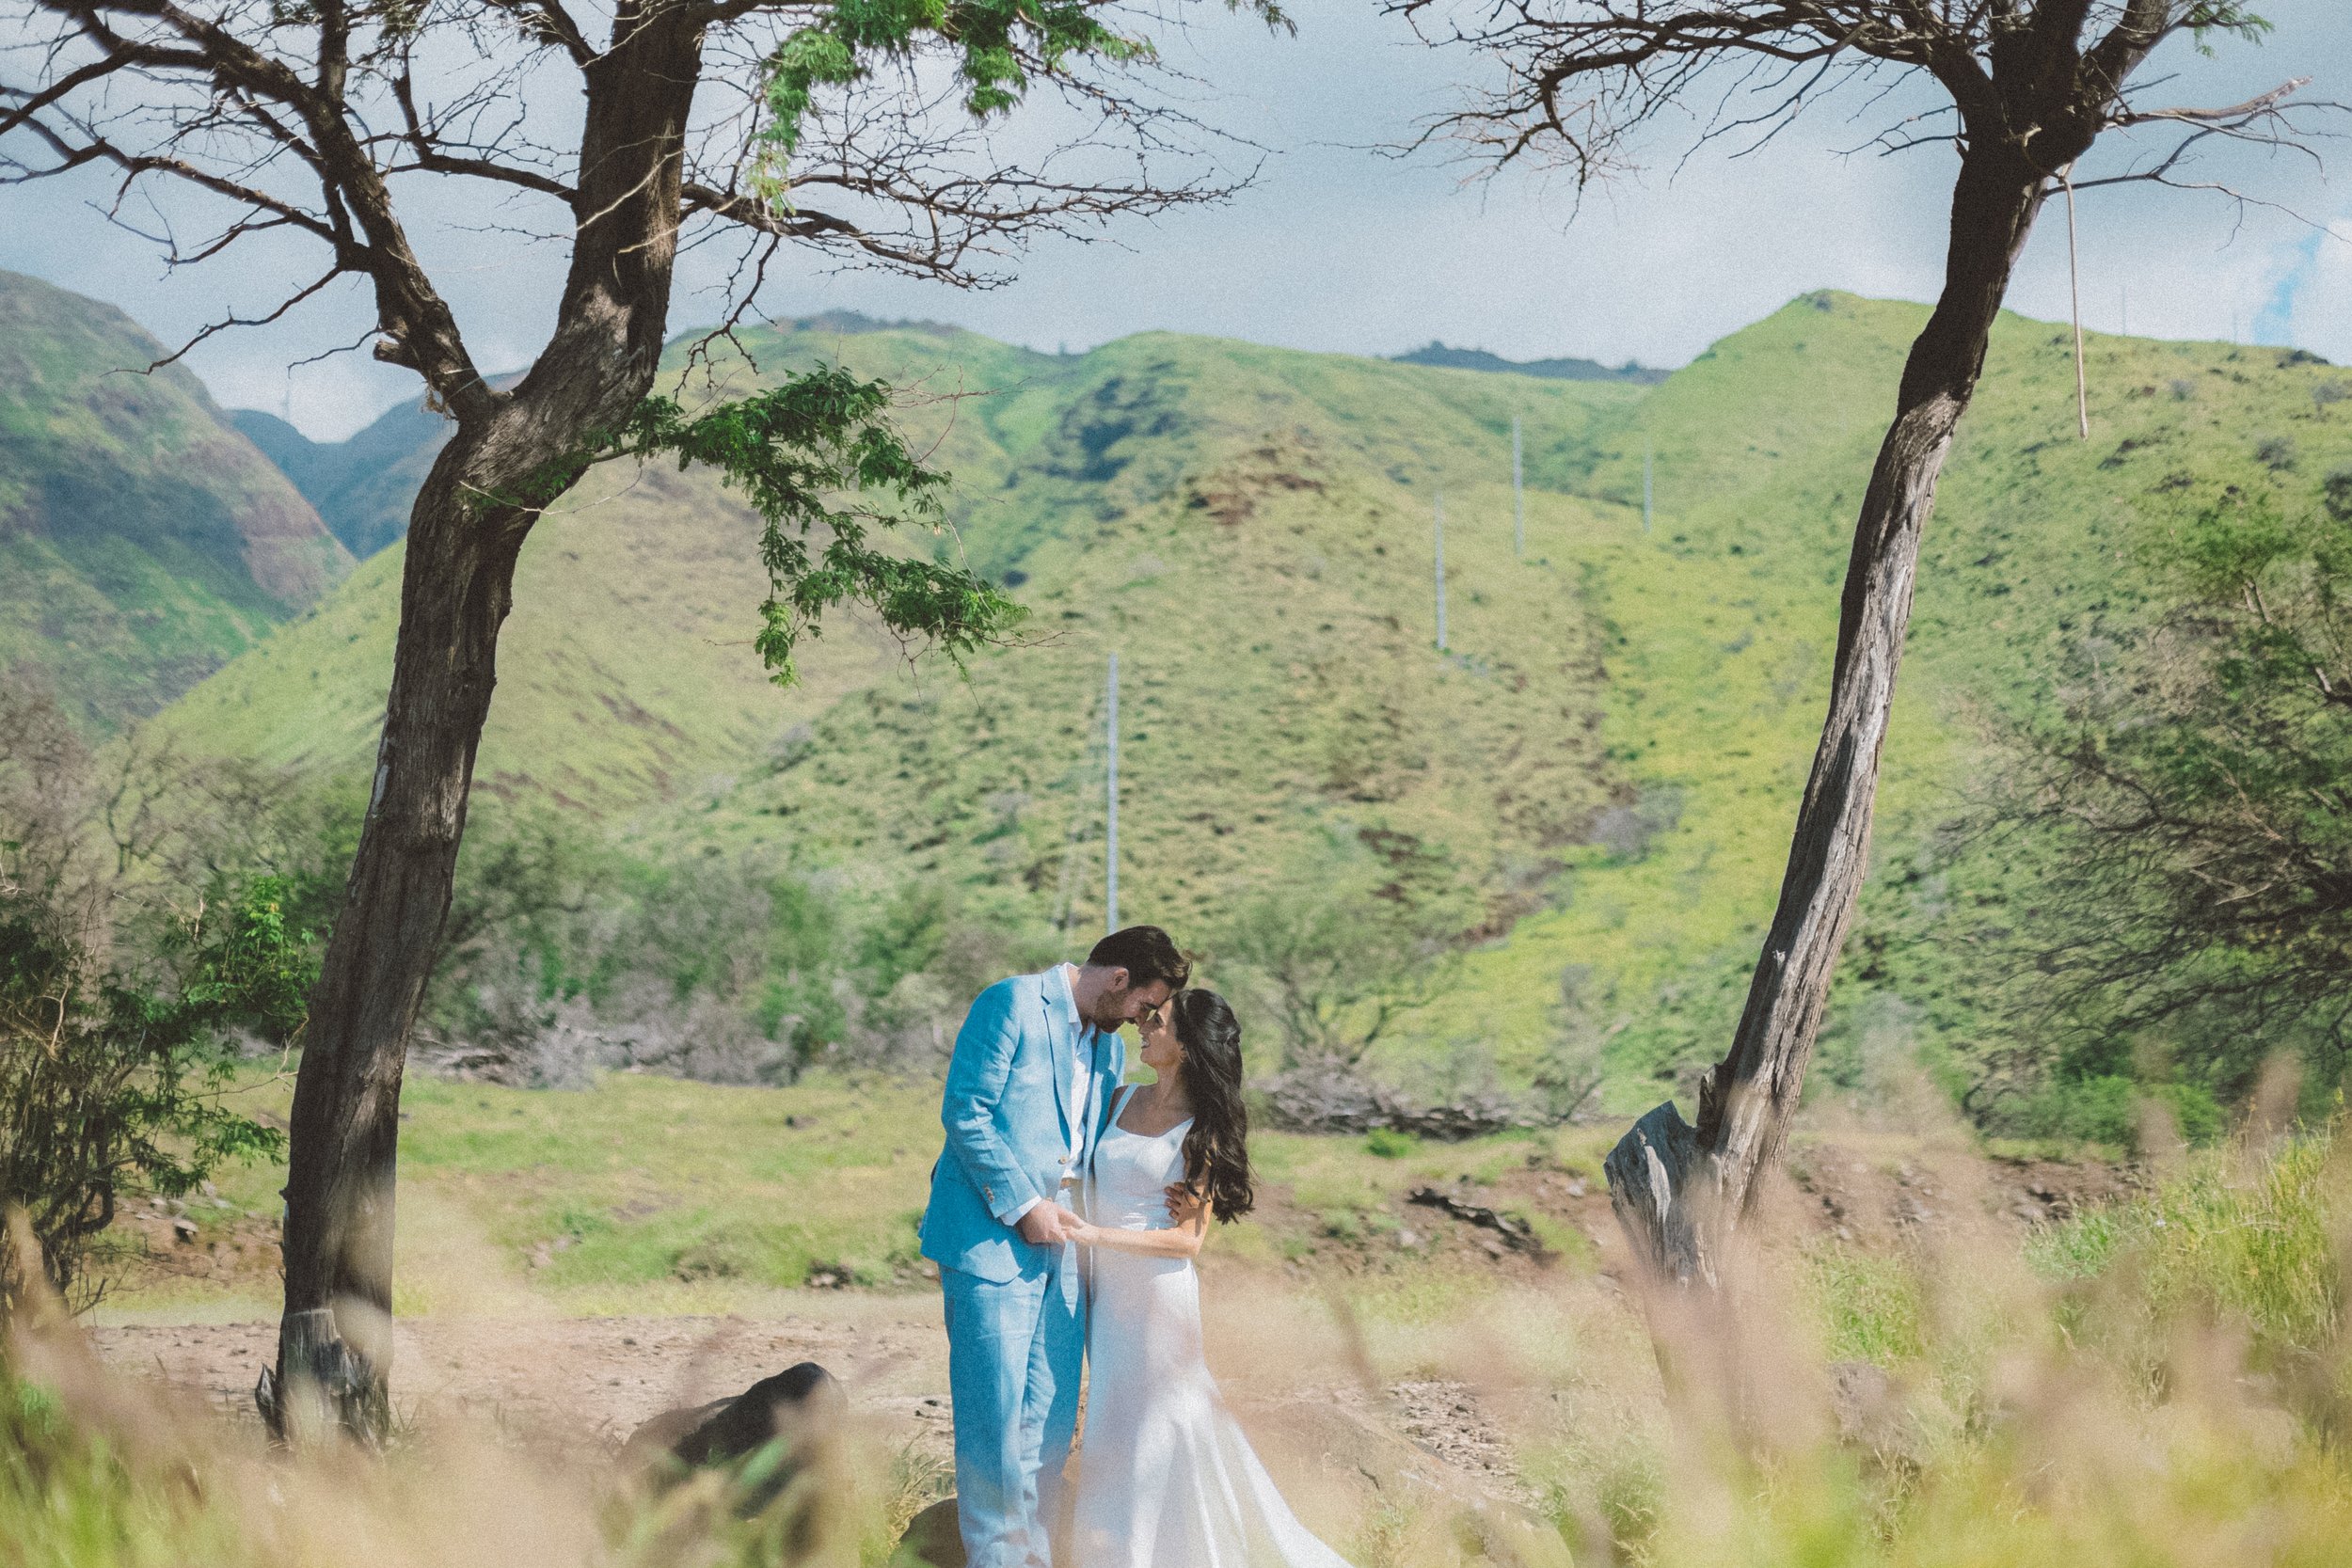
1060 1047
1107 1077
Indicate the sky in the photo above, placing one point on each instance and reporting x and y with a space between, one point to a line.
1340 245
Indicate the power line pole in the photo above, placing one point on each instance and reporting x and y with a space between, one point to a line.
1110 785
1441 531
2075 286
1519 495
1649 461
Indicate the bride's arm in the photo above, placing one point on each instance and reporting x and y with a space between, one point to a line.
1180 1240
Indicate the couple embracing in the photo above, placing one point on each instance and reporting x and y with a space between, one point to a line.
1064 1217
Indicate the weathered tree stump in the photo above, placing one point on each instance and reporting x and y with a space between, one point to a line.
1662 1186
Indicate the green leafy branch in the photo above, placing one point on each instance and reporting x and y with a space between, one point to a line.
824 434
998 44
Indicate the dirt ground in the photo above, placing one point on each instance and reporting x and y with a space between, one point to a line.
571 1390
586 1380
584 1384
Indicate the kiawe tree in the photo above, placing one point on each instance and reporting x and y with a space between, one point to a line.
2028 87
859 130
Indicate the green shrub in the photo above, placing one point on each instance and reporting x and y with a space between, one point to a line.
2108 1108
1390 1143
2240 1238
2194 1111
2098 1110
112 1083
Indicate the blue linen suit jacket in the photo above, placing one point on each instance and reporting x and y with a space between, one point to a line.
1009 1118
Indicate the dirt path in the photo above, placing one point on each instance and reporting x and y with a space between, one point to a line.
584 1384
576 1387
586 1380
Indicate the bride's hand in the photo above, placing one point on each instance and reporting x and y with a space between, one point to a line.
1184 1204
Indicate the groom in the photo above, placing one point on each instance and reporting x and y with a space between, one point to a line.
1029 1089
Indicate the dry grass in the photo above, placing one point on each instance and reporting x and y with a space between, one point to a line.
2157 1384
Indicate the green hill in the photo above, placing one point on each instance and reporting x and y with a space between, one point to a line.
1152 490
363 486
1724 624
143 541
1606 762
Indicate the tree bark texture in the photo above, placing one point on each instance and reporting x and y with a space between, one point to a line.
513 453
1677 1189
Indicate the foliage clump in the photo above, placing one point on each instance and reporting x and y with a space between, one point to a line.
115 1057
2241 1237
2180 833
107 1087
793 448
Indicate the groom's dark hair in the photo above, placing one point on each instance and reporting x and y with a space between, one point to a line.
1145 953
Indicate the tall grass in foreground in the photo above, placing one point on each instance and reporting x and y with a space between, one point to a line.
2162 1383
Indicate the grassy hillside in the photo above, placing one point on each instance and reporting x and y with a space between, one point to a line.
1189 498
362 487
1607 761
1250 530
143 541
1724 624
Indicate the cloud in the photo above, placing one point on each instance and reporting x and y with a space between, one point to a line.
2309 305
1341 246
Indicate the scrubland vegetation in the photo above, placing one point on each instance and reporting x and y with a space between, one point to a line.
1574 829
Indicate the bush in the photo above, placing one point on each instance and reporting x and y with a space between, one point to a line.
2176 835
2238 1237
107 1085
2112 1109
2195 1114
2096 1110
1343 943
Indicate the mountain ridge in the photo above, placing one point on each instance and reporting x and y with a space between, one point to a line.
144 541
1567 369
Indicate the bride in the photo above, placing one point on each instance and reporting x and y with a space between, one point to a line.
1165 1479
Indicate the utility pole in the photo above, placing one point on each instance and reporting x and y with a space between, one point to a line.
1650 462
1110 785
1440 529
1519 495
2075 286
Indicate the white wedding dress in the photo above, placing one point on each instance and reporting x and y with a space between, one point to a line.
1165 1479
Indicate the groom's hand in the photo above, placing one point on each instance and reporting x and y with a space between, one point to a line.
1047 1224
1184 1204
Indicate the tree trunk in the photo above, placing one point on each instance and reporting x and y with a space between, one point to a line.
456 588
466 532
1679 1191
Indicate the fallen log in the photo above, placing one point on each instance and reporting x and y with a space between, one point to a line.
1518 1235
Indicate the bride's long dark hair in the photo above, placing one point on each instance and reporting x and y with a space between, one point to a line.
1216 1150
